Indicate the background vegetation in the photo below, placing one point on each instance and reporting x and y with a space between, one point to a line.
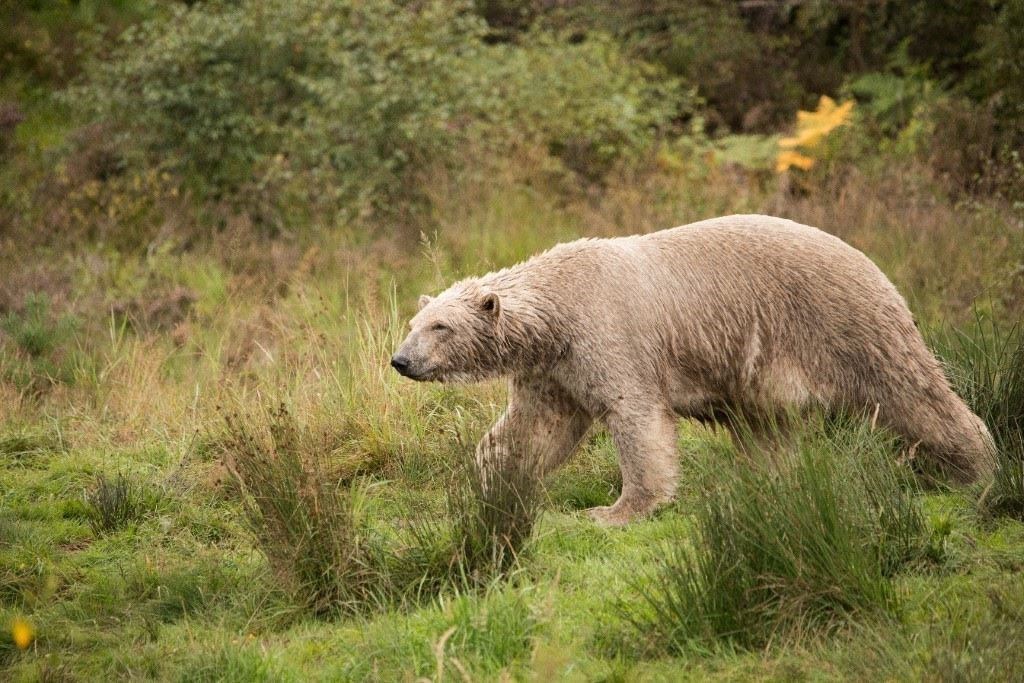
215 217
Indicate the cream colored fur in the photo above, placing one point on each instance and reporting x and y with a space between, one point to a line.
748 316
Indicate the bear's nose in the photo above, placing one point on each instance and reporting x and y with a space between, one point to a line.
400 363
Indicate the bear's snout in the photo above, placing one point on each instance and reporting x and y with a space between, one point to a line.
401 364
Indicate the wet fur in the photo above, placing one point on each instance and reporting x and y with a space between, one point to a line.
751 316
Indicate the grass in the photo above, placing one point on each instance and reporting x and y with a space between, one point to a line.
788 545
333 557
344 539
113 503
987 366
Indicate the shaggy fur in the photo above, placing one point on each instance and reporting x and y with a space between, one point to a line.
744 316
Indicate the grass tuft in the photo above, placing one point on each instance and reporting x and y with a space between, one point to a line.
321 545
308 527
799 545
114 503
493 512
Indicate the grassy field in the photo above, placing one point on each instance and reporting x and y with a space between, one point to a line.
162 517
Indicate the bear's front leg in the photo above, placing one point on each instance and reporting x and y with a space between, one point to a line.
539 430
648 460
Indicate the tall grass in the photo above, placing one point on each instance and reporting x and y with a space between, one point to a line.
113 503
797 545
986 364
333 558
493 511
307 525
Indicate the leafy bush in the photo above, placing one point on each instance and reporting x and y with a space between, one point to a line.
586 101
795 546
250 95
890 102
708 45
332 104
42 41
987 368
1000 66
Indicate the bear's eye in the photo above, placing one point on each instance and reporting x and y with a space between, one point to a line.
439 327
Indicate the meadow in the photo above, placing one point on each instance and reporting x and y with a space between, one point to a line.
208 470
132 548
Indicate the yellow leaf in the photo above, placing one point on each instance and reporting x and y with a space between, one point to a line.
813 126
22 632
789 158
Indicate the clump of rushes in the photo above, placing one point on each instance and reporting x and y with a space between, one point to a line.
986 365
114 503
309 527
332 558
493 512
476 538
800 541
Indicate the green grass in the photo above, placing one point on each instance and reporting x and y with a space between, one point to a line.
792 544
186 593
986 363
853 572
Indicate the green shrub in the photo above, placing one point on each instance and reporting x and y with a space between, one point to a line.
587 101
784 548
333 105
1000 66
225 92
707 44
890 102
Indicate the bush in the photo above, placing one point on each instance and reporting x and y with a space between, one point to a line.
587 102
707 44
332 105
987 369
1000 67
228 92
798 546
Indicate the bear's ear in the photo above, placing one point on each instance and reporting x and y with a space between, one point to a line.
490 303
424 300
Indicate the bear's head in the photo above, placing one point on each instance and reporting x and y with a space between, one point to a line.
459 336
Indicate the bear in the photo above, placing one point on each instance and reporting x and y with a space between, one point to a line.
744 317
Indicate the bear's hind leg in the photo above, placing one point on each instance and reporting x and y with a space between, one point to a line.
949 439
649 464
